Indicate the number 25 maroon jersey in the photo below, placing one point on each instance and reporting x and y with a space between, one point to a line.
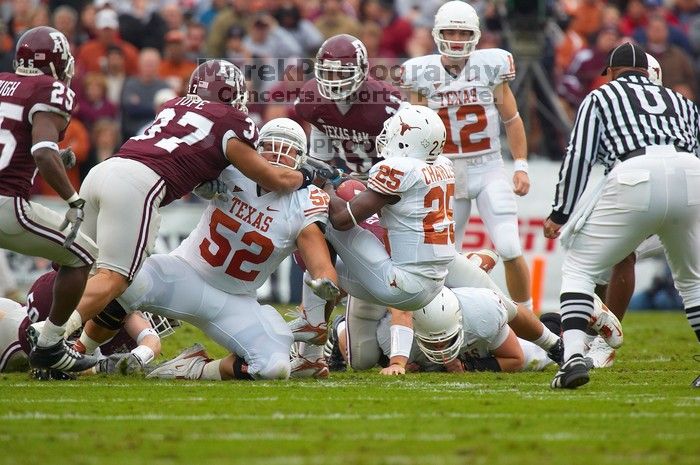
186 144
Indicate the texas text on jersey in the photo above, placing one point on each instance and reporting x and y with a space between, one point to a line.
466 103
22 97
240 242
186 144
348 137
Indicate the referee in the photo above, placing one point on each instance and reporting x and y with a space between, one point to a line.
645 136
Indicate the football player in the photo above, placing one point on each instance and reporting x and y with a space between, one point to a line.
35 107
136 342
191 141
412 189
346 108
469 90
211 279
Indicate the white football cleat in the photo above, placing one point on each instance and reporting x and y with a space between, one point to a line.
305 331
600 353
486 259
188 365
303 367
606 324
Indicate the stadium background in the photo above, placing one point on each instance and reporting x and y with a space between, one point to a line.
132 56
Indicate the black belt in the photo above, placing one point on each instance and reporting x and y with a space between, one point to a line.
643 151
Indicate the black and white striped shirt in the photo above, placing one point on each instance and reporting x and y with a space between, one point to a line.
622 116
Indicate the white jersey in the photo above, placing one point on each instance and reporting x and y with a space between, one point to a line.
240 242
420 225
465 103
11 316
484 319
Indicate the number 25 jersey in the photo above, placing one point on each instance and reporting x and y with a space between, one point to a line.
466 103
420 225
238 243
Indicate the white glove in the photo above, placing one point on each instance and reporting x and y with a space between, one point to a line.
324 288
210 189
74 218
67 157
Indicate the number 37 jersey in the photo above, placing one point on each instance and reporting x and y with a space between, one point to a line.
186 144
239 242
420 225
466 103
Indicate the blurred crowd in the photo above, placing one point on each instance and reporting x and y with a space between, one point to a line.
584 31
132 56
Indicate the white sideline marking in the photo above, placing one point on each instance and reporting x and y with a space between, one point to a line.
41 416
82 400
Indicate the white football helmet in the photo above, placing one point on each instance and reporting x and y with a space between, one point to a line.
414 131
456 15
438 328
654 69
279 136
163 326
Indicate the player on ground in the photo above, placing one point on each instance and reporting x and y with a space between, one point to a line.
469 90
191 141
346 108
138 340
211 279
35 107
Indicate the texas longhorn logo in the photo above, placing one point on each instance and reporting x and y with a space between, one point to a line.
405 127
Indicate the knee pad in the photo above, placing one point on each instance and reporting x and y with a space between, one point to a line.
278 367
506 239
112 317
552 321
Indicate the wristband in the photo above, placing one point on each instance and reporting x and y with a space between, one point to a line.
44 145
401 341
144 354
352 217
73 198
144 333
520 164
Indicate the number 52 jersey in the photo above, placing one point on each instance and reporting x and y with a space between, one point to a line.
465 103
239 242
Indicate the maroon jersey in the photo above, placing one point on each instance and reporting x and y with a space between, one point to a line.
186 144
39 300
352 135
21 97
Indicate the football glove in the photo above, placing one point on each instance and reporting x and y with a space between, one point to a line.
326 171
324 288
210 189
74 218
125 364
67 157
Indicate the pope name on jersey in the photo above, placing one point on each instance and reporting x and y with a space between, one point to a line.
268 223
466 103
187 141
346 108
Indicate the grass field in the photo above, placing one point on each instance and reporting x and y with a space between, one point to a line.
640 411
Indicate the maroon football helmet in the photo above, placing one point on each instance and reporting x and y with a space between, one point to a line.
44 50
341 66
219 81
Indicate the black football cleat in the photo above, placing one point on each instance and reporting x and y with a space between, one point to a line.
331 350
556 352
572 374
50 374
696 383
60 356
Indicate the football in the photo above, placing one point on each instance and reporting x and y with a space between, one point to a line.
349 189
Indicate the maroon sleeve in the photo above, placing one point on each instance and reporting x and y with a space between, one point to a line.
51 96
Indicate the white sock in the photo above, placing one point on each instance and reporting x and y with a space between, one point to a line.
211 371
547 339
74 323
50 334
574 343
89 343
314 306
527 304
536 358
144 353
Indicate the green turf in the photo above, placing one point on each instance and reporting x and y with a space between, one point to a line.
640 411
